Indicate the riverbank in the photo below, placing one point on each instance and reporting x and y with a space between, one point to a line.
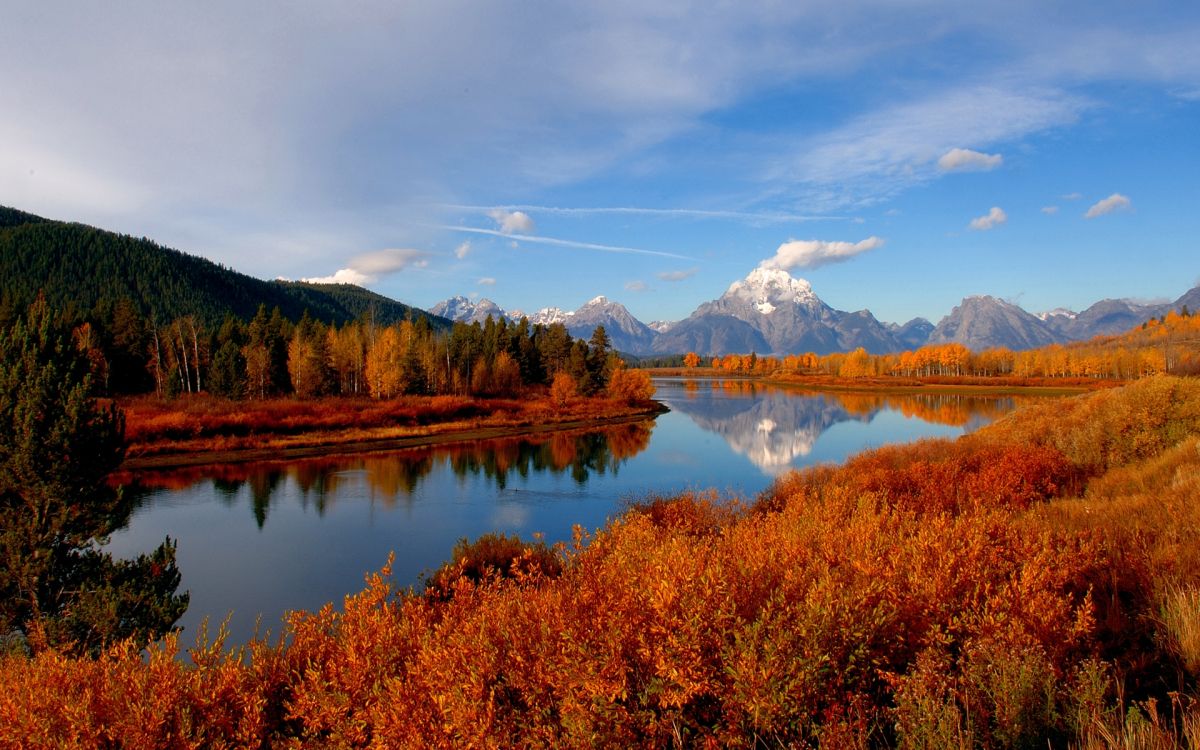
205 430
998 386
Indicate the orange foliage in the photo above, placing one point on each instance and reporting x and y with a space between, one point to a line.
940 593
200 424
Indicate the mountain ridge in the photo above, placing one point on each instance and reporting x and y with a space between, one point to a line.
82 268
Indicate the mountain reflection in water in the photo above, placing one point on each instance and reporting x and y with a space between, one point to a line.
265 538
773 427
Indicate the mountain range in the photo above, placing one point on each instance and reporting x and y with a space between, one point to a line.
770 311
82 268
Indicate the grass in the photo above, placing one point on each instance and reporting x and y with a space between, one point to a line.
193 426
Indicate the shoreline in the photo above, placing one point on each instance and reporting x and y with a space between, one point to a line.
938 384
450 436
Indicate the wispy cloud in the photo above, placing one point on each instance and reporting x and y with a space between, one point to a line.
966 160
1071 196
512 222
815 253
1049 210
881 153
758 217
369 267
636 285
538 240
462 250
678 275
486 281
991 220
1114 202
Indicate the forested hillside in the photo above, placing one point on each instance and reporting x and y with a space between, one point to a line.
87 271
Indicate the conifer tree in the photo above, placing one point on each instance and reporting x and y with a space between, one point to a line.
57 446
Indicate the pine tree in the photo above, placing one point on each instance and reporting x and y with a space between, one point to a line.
57 588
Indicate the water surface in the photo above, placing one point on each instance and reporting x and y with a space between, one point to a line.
266 538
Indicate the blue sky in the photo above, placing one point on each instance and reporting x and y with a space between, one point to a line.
898 155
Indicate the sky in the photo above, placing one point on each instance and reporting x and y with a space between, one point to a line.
898 154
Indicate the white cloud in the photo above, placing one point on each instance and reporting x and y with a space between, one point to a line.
636 286
342 276
750 217
993 219
1114 202
966 160
814 253
881 153
564 243
512 222
677 275
368 267
486 281
1049 210
462 250
1071 196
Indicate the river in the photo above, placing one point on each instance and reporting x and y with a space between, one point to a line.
256 540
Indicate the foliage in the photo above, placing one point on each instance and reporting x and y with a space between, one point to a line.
56 448
630 386
491 557
971 593
81 269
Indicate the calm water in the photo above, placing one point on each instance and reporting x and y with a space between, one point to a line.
265 538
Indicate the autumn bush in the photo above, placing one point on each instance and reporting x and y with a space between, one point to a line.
1020 587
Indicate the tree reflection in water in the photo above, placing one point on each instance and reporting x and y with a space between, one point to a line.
396 477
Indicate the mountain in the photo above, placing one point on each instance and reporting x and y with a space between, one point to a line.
80 268
912 335
711 334
546 316
462 310
1190 299
1107 317
780 314
983 322
627 333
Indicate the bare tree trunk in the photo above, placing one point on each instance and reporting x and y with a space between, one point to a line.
158 389
196 351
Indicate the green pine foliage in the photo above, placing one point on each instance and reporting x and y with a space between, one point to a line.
80 269
57 446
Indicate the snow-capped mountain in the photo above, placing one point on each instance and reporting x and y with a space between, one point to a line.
770 311
462 310
627 333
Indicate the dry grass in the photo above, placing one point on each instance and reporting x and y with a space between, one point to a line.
206 424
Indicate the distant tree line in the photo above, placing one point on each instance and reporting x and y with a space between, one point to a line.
1167 344
270 355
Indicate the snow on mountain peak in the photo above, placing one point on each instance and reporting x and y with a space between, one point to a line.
768 288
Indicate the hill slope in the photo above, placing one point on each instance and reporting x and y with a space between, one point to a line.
80 268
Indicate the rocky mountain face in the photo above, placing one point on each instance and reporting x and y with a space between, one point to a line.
912 335
628 334
983 322
770 312
779 314
462 310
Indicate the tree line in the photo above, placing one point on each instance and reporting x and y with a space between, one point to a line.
270 356
1167 344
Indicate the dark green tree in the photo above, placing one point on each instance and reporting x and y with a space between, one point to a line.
57 446
599 347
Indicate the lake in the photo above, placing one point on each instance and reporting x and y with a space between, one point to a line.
261 539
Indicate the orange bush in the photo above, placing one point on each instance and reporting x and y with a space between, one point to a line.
931 595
